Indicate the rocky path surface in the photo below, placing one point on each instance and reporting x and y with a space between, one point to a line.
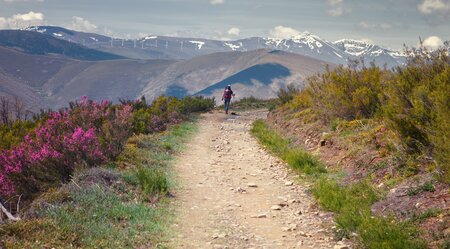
233 194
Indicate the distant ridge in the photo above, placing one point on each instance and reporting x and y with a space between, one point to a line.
43 44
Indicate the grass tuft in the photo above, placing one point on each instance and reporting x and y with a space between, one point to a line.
426 187
297 159
152 181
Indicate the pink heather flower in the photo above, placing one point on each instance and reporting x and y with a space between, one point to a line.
86 134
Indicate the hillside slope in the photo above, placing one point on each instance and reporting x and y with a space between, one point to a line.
211 71
51 81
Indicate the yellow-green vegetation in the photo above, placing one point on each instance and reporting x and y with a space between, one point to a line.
12 134
298 159
121 205
413 101
254 103
351 203
165 110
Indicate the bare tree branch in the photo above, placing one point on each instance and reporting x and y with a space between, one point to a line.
8 214
4 110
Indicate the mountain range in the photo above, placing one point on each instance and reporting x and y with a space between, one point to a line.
164 47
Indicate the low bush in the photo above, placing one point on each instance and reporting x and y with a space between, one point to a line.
286 94
255 103
13 134
344 92
165 111
196 104
418 107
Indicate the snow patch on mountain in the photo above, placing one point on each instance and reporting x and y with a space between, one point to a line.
233 47
354 47
36 29
198 43
150 37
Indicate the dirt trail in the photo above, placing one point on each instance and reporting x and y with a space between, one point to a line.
233 194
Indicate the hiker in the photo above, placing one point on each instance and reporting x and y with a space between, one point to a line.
227 95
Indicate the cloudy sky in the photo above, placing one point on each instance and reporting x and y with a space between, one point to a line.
390 23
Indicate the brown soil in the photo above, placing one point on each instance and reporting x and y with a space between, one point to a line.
233 194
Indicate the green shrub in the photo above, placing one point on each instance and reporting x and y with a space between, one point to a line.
166 111
14 133
346 93
255 103
191 104
418 106
286 94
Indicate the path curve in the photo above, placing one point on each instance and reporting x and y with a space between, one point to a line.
233 194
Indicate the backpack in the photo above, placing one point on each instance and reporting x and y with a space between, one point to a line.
227 94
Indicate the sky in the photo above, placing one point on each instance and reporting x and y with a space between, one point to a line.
390 23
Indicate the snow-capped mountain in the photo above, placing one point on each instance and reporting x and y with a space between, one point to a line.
304 44
369 52
164 47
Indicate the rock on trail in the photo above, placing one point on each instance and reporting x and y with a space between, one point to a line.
233 194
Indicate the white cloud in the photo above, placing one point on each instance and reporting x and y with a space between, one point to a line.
81 24
3 23
19 21
234 31
283 32
428 7
30 16
337 8
433 42
216 2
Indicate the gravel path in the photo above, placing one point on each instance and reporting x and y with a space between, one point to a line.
233 194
